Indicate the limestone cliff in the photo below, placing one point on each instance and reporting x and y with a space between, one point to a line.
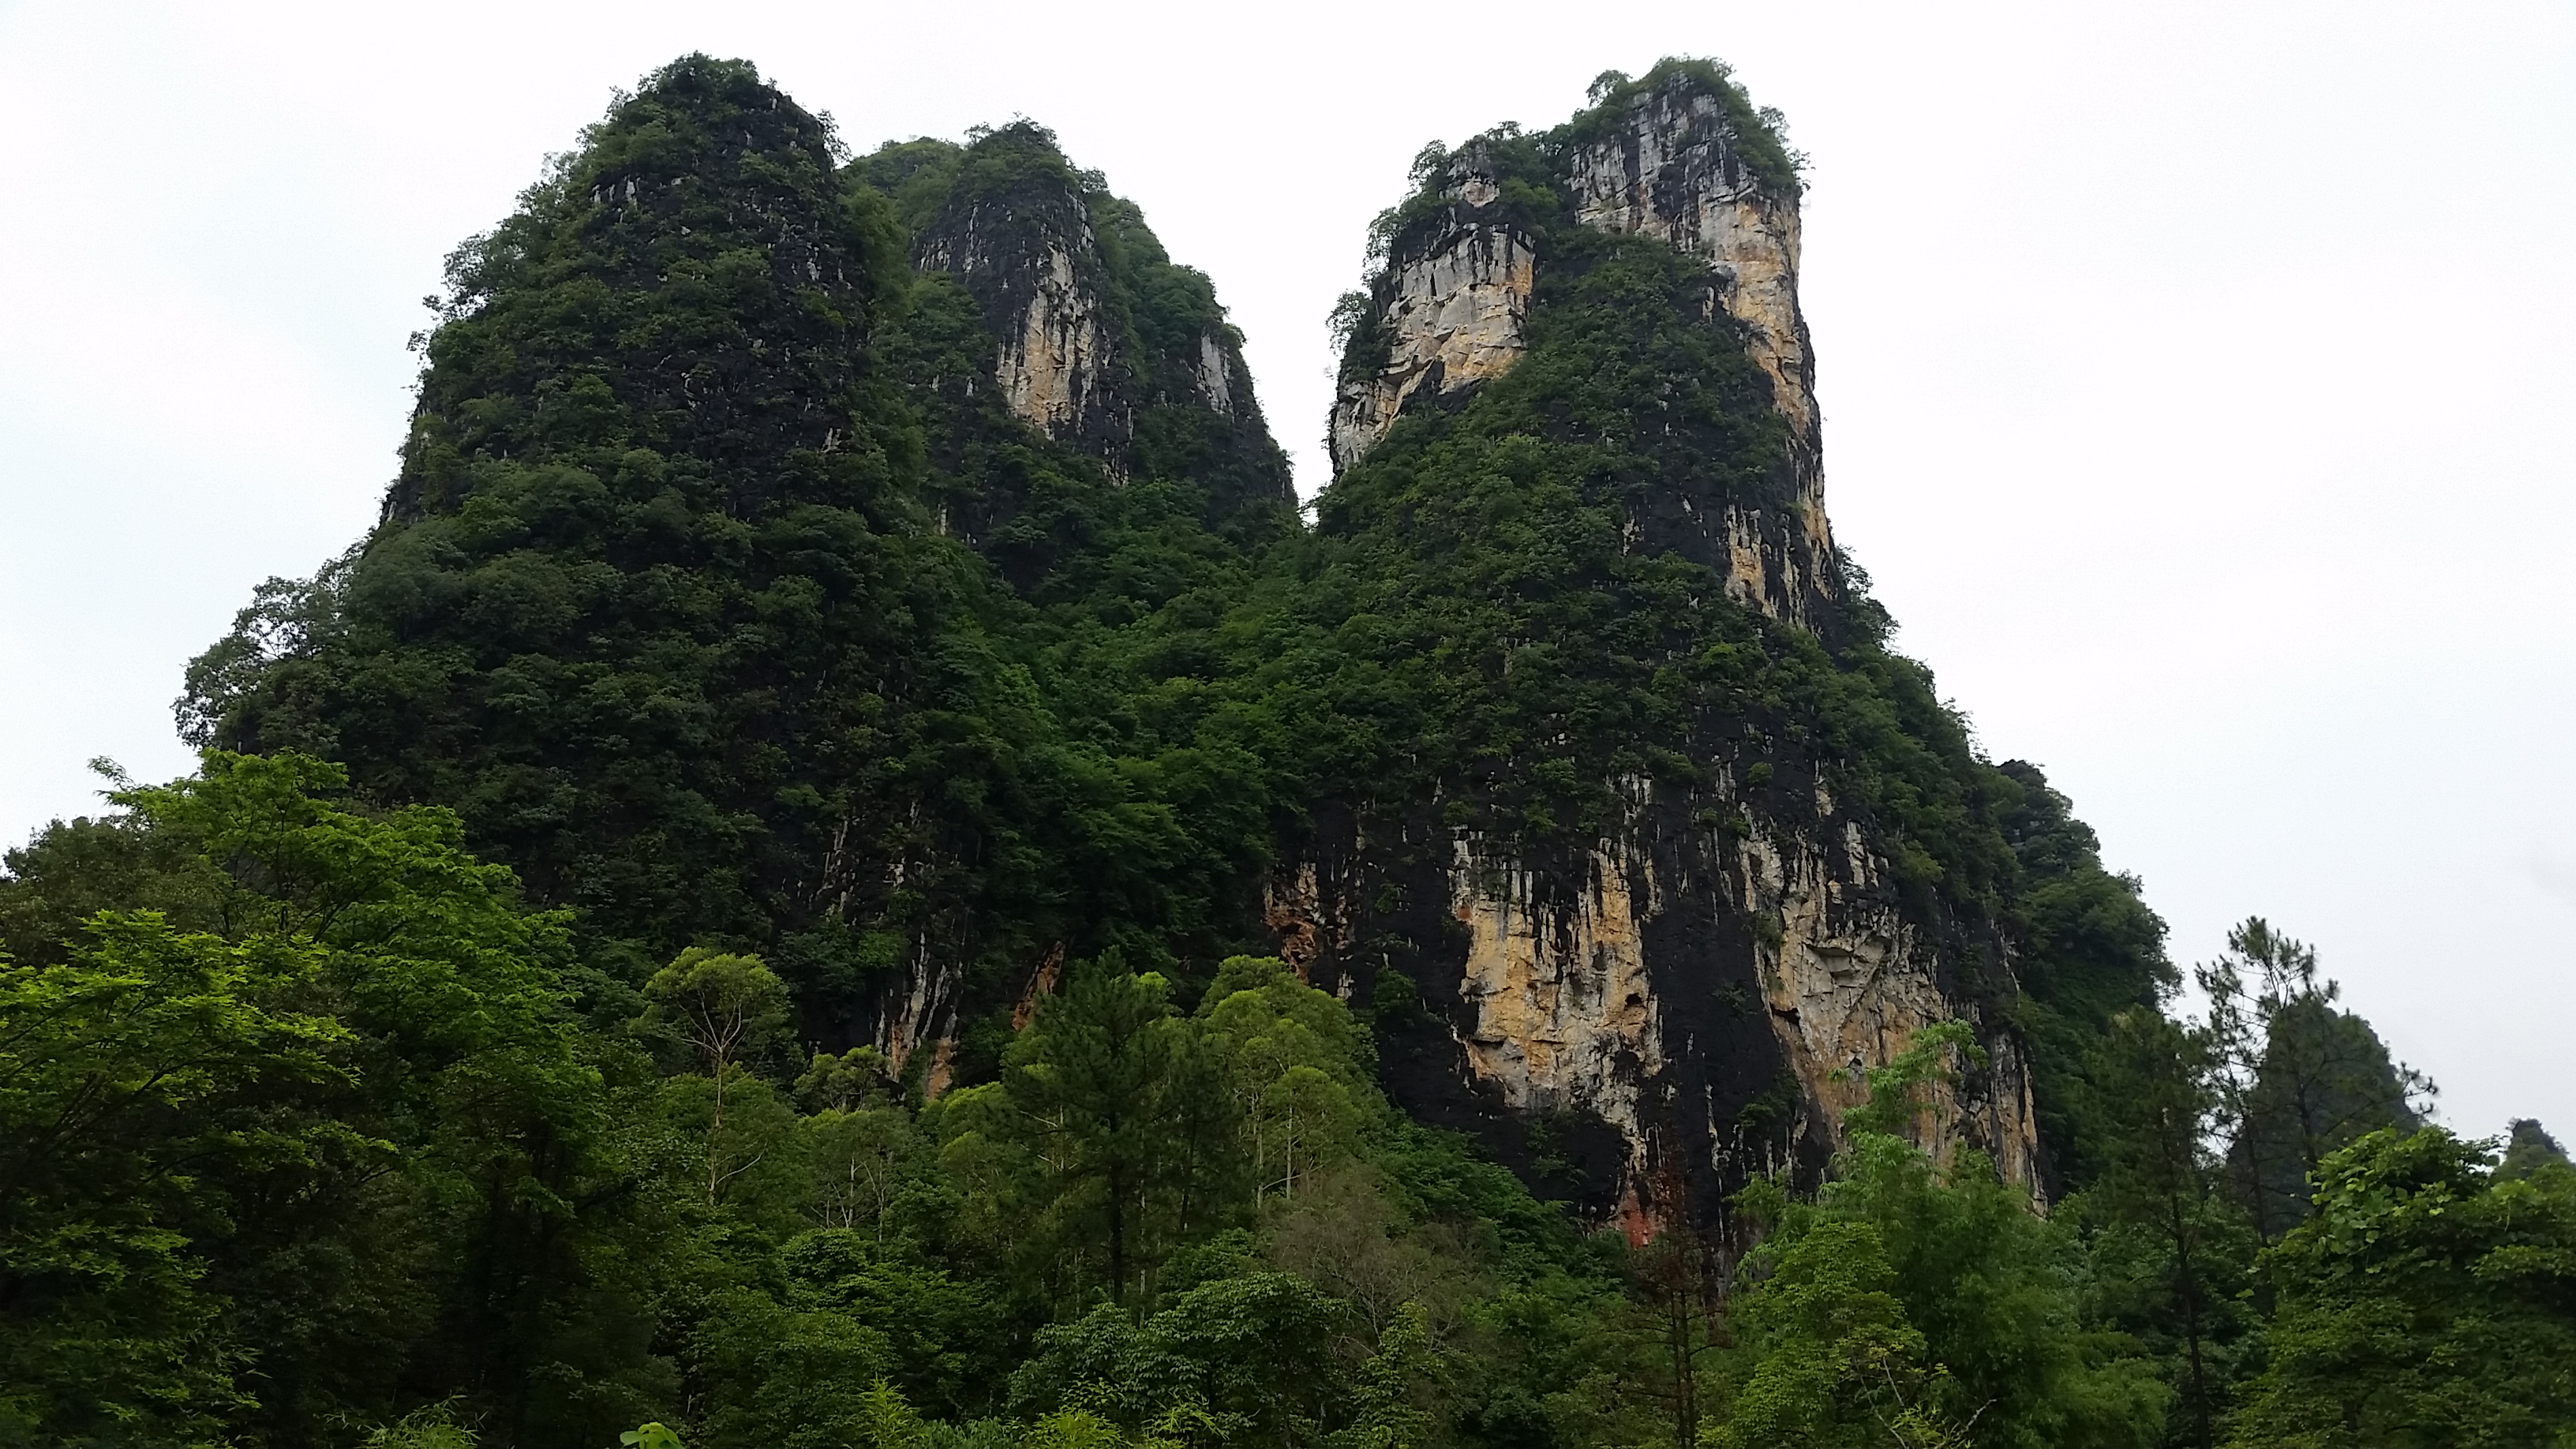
1053 351
1030 260
1694 992
1680 1005
1669 166
1605 802
1450 309
1563 744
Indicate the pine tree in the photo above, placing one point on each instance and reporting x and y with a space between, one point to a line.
2301 1078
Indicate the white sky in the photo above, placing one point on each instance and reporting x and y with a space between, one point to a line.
2198 376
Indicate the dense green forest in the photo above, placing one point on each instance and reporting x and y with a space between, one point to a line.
489 1043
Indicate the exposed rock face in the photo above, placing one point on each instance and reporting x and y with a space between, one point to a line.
1454 305
1678 1007
1214 371
1848 982
1093 326
1561 1009
1050 369
1222 383
920 1014
1031 261
1672 171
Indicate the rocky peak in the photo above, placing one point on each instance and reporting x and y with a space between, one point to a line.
1093 325
1679 156
1669 160
1690 987
1450 304
1016 231
736 185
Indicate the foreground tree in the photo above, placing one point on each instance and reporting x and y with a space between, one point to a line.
303 1127
133 1082
2300 1077
2172 1248
724 1009
1922 1304
1131 1118
2424 1303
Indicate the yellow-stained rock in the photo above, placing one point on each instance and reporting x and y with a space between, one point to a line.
1563 1011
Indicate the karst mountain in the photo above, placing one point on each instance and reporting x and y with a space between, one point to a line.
845 866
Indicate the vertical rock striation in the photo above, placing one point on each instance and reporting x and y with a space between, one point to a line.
1669 162
1670 1010
1670 167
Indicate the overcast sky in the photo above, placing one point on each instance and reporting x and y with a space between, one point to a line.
2198 377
